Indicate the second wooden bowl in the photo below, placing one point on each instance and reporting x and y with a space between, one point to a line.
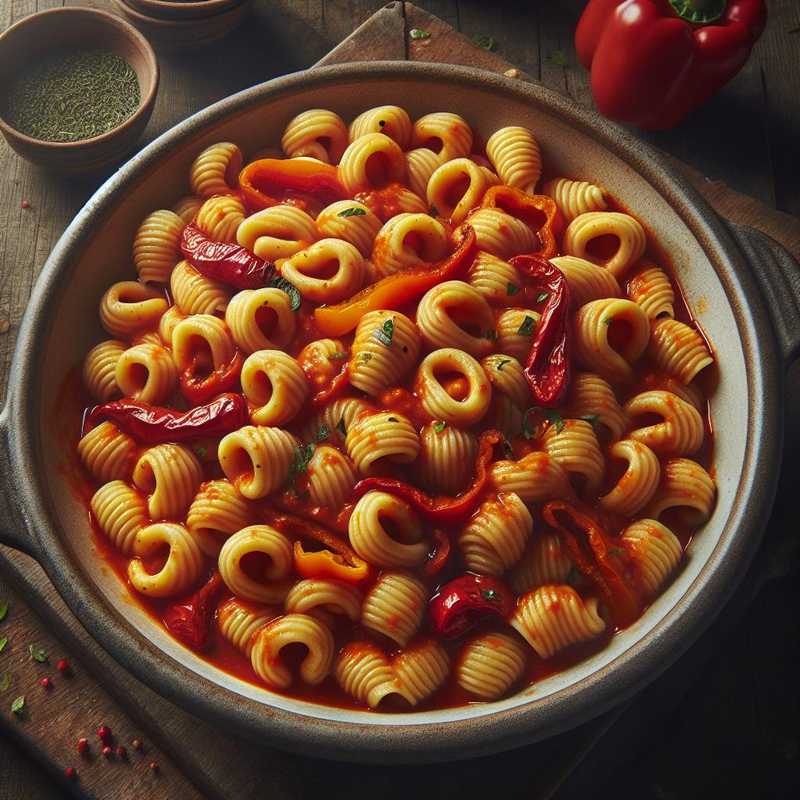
167 9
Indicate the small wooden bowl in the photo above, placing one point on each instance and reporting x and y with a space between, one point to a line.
164 9
181 34
84 28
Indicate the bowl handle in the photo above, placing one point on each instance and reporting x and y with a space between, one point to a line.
778 275
13 530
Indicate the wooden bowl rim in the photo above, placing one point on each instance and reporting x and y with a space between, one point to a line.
174 23
145 101
192 5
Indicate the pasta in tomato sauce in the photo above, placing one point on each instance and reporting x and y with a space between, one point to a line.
432 419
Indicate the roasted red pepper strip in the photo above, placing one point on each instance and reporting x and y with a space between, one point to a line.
333 389
190 621
548 369
654 61
223 379
155 424
598 558
468 601
441 509
271 181
328 564
233 264
537 211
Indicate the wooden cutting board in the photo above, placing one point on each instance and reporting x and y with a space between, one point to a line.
194 759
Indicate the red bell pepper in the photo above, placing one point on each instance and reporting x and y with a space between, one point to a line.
190 621
468 601
271 181
654 61
200 389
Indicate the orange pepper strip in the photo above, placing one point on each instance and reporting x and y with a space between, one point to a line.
264 183
597 557
396 290
538 211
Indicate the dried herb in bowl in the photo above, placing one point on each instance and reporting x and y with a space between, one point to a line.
70 95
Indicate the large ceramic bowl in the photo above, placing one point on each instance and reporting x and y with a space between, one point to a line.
726 276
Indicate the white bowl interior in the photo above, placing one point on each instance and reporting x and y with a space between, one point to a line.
107 258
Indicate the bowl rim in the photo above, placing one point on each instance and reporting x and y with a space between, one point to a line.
146 99
409 742
193 5
177 22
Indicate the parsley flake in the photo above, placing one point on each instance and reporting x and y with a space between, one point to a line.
337 355
542 297
3 643
385 333
439 426
353 211
592 419
418 33
502 363
489 594
485 41
5 681
616 551
302 457
18 705
364 357
526 329
558 58
340 426
554 418
323 433
38 653
200 451
511 288
608 320
3 611
393 419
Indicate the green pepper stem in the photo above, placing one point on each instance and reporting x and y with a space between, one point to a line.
699 11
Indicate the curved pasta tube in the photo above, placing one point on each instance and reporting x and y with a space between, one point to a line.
453 314
216 170
445 133
107 453
331 477
260 319
681 430
328 271
187 207
592 398
494 278
166 325
438 402
364 671
170 475
552 618
277 232
515 155
507 377
501 234
420 165
351 221
638 483
265 655
275 385
147 373
201 341
574 198
275 564
544 561
652 290
193 293
128 306
99 369
576 449
408 240
382 438
457 186
535 477
337 419
404 547
655 550
385 348
183 565
395 606
322 360
420 669
515 328
219 217
586 280
324 599
496 536
504 415
238 621
678 349
256 460
371 162
490 664
216 512
446 458
391 121
596 322
628 231
690 393
685 485
120 512
317 133
156 246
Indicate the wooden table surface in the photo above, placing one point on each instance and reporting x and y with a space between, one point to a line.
736 731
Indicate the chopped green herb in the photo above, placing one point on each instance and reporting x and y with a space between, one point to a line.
38 653
323 433
200 451
340 426
484 41
434 212
5 681
18 705
608 320
502 363
554 418
558 58
393 419
302 456
364 357
489 594
439 426
337 355
273 280
3 643
542 297
385 333
617 551
512 288
592 419
353 211
418 33
526 329
3 610
491 335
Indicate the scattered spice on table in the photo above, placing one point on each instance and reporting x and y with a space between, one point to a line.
63 666
46 683
70 95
